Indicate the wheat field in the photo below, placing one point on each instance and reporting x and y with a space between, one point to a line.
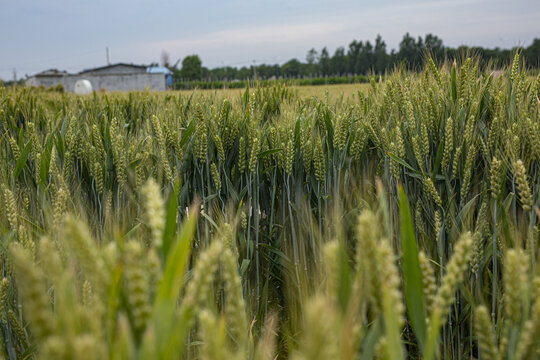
343 90
391 221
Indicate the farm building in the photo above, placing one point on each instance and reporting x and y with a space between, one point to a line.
116 77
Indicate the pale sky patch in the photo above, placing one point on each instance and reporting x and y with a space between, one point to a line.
72 35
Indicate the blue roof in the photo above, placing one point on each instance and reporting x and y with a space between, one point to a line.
158 70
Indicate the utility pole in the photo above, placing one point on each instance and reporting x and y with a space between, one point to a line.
107 52
254 71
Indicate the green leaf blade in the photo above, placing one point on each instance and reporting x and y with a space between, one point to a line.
412 272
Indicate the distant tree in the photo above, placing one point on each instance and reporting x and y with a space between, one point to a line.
312 56
359 58
365 63
223 73
393 58
339 62
532 53
410 50
352 54
267 71
244 73
380 57
324 62
206 74
192 68
312 59
292 68
435 47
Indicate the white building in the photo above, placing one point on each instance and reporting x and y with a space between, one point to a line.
116 77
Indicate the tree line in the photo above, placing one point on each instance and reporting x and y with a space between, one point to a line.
360 58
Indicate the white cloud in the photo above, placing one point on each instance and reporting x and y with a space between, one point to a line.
338 28
432 5
273 34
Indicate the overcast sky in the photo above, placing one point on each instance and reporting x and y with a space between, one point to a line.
72 35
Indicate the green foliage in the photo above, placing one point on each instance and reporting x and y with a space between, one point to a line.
363 58
191 68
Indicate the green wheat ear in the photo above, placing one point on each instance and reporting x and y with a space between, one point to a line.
428 278
393 307
36 303
331 265
10 206
445 295
86 253
523 185
527 343
485 335
235 312
515 281
154 211
137 286
319 340
454 273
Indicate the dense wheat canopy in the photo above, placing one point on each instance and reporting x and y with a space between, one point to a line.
401 222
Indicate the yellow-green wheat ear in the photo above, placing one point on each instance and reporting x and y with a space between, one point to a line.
307 156
289 157
36 306
428 279
319 341
515 280
266 346
241 154
10 207
366 256
331 266
431 190
4 287
484 333
137 285
203 275
253 155
454 273
16 326
390 282
86 253
496 177
448 143
515 66
213 336
154 211
235 305
528 341
219 148
523 185
319 161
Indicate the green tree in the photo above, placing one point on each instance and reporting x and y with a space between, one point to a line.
312 59
364 63
410 51
339 62
324 62
191 68
380 57
354 50
532 53
435 46
292 68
